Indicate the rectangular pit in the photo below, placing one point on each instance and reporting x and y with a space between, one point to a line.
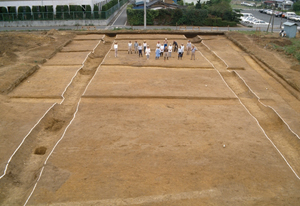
47 82
158 82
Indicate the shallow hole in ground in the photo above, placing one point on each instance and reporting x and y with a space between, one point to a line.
191 35
111 35
54 124
40 150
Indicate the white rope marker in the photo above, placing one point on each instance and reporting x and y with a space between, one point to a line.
249 111
7 164
74 115
63 98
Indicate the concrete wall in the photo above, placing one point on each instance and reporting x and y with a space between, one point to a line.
54 23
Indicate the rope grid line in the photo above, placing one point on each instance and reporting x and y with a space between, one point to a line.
23 140
249 111
74 115
258 98
63 98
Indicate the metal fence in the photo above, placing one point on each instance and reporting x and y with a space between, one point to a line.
72 15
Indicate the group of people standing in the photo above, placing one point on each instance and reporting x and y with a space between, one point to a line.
162 49
189 47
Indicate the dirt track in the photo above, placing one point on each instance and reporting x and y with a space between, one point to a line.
215 131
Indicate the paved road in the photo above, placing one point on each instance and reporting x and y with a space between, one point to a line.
122 19
189 28
277 20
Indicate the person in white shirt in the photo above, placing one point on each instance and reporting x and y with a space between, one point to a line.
188 47
140 47
116 49
158 44
179 53
182 50
162 50
170 48
148 51
129 47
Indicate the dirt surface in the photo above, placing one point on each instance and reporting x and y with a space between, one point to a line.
285 66
21 53
89 128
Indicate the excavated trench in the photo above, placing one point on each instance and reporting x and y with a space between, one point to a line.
273 126
25 166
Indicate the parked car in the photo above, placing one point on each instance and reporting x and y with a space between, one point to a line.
249 20
248 4
261 10
267 11
297 18
277 13
260 22
246 15
294 18
289 14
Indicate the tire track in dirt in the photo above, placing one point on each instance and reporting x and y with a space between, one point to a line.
285 141
25 166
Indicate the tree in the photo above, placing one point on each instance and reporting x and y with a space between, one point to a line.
198 5
296 6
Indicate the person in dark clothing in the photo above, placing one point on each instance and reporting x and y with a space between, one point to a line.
175 46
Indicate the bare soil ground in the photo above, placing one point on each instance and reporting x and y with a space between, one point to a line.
286 67
21 53
99 130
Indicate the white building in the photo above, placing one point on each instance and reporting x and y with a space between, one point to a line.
285 5
195 1
54 3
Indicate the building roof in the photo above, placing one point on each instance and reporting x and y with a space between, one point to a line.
156 4
289 24
269 2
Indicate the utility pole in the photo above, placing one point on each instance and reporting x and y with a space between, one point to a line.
145 14
272 19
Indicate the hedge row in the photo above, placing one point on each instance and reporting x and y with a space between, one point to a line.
195 17
62 8
46 13
110 4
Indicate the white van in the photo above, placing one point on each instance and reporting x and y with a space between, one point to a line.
289 14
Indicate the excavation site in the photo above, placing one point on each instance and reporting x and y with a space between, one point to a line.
84 124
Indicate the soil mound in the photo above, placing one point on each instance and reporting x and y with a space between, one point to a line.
52 32
196 39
